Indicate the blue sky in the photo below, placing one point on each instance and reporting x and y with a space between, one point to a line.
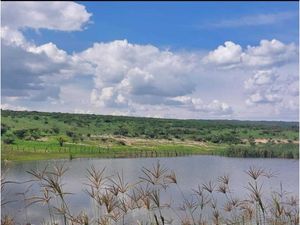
235 60
177 25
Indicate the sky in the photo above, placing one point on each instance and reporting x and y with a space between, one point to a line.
187 60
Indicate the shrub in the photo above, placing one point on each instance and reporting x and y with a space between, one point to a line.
4 128
61 141
9 138
55 130
20 133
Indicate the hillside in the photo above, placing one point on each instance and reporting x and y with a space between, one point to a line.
46 132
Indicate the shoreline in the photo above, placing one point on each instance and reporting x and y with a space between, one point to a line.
17 153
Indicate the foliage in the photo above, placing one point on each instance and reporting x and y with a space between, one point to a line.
9 138
61 141
4 128
290 151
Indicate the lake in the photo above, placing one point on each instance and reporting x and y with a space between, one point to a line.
190 171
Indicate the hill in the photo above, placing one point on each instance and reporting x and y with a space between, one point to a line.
43 132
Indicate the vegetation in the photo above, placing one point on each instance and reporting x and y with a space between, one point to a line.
289 150
41 135
116 201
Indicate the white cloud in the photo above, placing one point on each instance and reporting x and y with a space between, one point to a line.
13 107
109 97
26 71
227 56
51 50
128 75
215 107
126 71
12 37
64 16
134 65
267 54
30 71
270 87
261 77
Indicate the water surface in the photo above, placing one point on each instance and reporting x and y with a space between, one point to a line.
190 172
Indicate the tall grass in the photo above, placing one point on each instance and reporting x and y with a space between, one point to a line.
149 200
289 151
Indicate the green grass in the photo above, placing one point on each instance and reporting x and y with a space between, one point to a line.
288 150
38 151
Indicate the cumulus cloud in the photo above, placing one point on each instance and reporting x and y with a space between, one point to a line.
12 37
108 96
142 69
270 53
215 107
228 55
126 71
260 78
128 76
267 54
270 87
23 73
64 16
30 71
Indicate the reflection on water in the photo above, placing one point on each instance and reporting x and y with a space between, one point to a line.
190 171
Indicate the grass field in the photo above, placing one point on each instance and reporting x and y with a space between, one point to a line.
38 135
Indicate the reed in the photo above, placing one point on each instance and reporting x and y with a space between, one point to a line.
117 201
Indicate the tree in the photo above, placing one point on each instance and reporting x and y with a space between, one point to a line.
61 141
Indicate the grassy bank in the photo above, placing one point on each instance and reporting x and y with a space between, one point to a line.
33 150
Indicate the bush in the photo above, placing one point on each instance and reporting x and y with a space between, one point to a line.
4 128
20 133
55 130
70 133
9 138
61 141
35 133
